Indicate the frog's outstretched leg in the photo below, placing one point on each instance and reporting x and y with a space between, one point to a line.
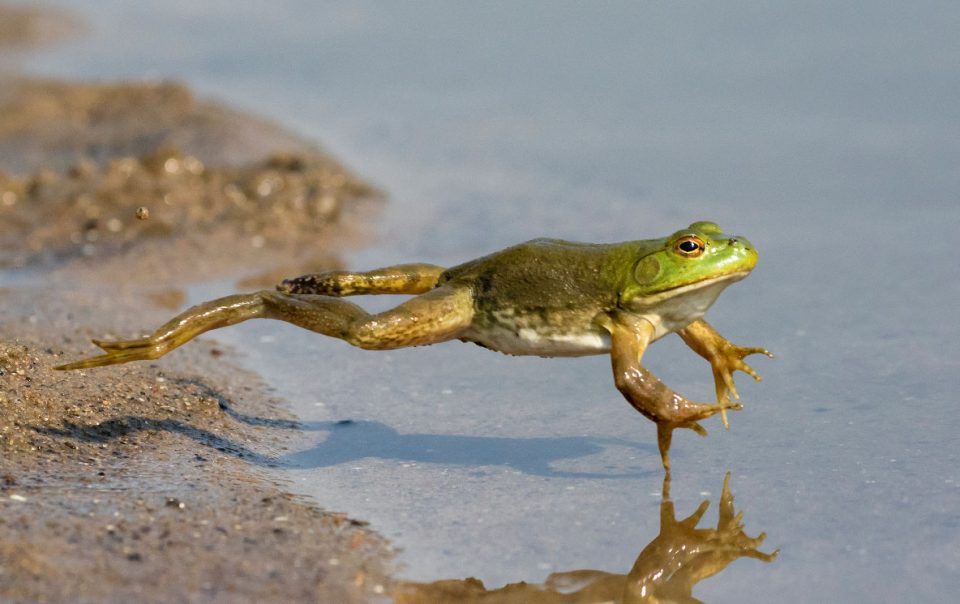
629 337
399 279
724 358
436 316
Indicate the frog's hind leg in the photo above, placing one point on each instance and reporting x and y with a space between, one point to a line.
439 315
398 279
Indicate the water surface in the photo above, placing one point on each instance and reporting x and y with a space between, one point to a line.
827 133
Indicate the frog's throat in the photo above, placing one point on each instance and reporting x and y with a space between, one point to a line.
682 290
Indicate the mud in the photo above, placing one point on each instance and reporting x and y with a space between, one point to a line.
144 483
25 27
50 124
178 194
147 482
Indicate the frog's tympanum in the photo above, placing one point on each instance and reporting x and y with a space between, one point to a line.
545 297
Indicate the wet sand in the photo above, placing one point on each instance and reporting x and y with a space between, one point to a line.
146 482
142 483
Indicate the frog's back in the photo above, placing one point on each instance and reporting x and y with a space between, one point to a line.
542 297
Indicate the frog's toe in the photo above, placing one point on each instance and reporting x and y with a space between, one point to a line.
703 411
112 345
723 405
114 357
724 380
741 353
758 555
741 365
122 351
732 405
693 519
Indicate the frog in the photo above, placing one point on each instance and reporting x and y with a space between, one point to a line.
544 297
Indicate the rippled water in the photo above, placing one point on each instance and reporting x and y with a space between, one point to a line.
827 133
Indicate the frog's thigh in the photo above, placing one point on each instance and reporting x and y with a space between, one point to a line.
436 316
398 279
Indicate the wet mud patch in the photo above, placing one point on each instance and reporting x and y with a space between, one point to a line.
53 124
144 175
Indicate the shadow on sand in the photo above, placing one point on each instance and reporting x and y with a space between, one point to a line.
348 441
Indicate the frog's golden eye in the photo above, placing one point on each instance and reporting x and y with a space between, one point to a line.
689 246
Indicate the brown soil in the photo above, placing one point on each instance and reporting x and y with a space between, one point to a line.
143 483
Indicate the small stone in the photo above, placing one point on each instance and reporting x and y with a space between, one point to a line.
173 502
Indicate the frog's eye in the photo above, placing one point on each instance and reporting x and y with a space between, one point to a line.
689 246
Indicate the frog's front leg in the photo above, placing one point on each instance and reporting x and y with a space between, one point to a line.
436 316
397 279
629 337
724 357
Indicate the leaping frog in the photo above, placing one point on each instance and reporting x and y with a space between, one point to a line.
545 297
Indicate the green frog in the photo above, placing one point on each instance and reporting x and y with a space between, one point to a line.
545 297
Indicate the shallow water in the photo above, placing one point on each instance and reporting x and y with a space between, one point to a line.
826 133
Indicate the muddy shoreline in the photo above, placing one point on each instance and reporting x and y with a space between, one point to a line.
144 483
148 482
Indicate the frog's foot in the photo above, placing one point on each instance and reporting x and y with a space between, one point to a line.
692 413
728 359
139 353
724 357
176 332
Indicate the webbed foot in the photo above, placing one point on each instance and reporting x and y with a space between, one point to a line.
724 358
117 352
692 414
176 332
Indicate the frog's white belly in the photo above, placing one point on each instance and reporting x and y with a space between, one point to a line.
529 341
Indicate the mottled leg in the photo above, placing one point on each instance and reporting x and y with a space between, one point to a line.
221 312
724 358
399 279
436 316
629 337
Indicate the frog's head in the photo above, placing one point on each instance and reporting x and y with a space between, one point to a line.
694 264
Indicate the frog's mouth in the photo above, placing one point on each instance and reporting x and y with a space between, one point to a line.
687 288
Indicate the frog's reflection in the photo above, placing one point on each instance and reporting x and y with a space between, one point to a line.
665 571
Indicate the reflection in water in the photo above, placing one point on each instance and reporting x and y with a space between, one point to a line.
665 571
